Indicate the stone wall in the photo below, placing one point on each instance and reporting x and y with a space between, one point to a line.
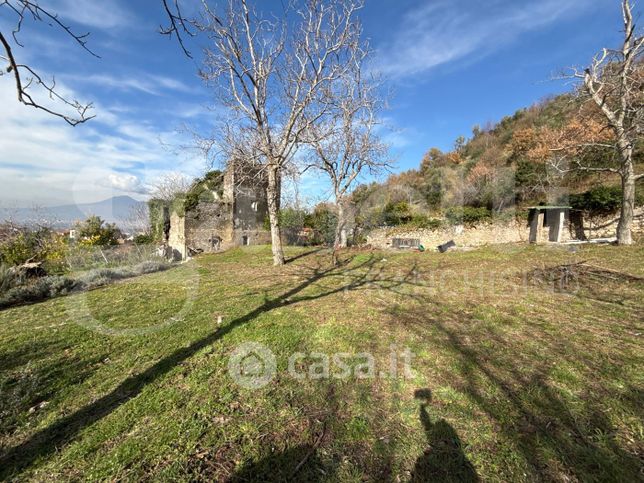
485 234
176 236
251 237
251 208
209 226
234 219
515 231
606 227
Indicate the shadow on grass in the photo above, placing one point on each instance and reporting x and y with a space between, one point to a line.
34 385
301 461
367 274
304 254
443 459
558 439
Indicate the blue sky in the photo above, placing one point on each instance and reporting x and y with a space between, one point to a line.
450 64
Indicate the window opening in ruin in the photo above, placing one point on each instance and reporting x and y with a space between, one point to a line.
166 224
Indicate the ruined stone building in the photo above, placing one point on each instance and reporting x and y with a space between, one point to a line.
219 211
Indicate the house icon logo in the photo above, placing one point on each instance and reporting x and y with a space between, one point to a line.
252 365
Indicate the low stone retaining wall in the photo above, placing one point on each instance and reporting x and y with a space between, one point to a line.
463 236
515 231
606 227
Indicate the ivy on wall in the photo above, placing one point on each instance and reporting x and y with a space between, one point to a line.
202 190
156 208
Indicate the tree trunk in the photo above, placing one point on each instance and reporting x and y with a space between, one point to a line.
341 229
340 240
626 214
628 195
273 193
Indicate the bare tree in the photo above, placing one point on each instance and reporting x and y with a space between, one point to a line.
346 144
614 82
272 77
168 186
137 221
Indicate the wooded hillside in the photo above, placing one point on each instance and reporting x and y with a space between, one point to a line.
501 166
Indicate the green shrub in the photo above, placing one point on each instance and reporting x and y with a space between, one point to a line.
323 221
55 249
103 276
203 188
399 213
24 294
9 278
20 291
19 249
143 239
158 211
59 285
424 222
602 200
95 232
41 245
150 266
468 215
40 289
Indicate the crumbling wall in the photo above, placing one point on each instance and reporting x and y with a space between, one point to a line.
177 236
250 206
209 226
210 220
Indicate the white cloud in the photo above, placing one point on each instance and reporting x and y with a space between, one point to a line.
445 31
127 183
150 84
103 14
45 161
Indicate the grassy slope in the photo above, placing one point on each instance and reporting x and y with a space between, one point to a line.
520 382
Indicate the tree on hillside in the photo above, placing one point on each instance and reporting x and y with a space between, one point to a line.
272 77
614 83
346 145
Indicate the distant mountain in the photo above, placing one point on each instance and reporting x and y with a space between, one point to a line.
118 209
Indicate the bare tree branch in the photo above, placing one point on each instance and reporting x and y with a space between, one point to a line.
178 25
25 76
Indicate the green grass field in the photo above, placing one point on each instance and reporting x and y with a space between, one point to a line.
516 376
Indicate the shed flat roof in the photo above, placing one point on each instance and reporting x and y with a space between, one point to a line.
549 207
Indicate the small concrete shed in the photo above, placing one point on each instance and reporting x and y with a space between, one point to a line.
547 223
